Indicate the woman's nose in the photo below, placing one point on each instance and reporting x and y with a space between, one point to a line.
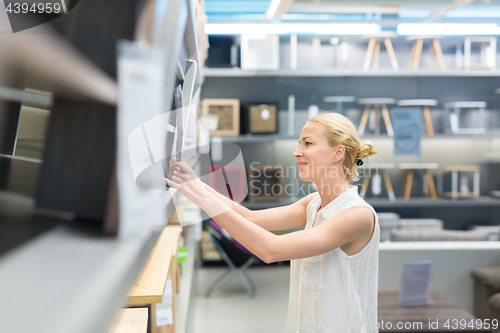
297 152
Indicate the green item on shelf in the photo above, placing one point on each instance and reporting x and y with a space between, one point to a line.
182 254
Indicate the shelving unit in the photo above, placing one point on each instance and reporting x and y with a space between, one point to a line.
399 203
69 277
237 72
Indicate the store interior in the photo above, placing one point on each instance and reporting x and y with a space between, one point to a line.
96 97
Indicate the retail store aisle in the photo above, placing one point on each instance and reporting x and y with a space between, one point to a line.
230 309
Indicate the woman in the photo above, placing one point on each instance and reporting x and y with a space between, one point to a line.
334 260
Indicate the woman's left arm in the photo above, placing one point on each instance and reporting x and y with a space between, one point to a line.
347 226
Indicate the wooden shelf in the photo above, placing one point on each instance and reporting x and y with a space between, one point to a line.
150 286
130 321
237 72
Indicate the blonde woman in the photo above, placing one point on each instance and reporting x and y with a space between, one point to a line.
334 260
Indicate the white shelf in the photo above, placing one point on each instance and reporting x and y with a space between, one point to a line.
67 280
269 138
399 203
237 72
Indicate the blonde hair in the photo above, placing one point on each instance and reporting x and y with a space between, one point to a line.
341 131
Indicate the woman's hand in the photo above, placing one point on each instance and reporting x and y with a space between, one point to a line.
188 183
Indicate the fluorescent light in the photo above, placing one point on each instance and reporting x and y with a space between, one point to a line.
292 28
273 7
441 29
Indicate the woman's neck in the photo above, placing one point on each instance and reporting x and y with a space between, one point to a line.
329 191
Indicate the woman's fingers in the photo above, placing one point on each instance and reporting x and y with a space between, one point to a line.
170 183
183 167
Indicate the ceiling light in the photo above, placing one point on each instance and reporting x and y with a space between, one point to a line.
289 28
440 29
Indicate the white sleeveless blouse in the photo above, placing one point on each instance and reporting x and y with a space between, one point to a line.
334 292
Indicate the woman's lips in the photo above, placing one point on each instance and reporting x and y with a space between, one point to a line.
301 165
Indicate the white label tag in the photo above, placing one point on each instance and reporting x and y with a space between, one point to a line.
164 313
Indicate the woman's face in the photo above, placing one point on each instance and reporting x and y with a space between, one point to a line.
315 157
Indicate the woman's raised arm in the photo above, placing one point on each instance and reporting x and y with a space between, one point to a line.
279 218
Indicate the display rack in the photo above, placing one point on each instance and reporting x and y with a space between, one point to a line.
237 72
71 278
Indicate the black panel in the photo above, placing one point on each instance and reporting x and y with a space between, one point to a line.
81 142
9 120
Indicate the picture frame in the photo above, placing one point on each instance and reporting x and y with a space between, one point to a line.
228 110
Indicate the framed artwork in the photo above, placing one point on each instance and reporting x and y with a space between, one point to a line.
228 111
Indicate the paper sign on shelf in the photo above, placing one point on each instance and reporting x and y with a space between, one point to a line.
164 313
407 121
415 283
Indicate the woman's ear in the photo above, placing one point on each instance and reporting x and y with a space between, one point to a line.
339 153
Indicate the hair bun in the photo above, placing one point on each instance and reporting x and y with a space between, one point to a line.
366 149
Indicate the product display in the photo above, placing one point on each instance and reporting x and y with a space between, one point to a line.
487 54
260 52
228 111
373 50
435 48
478 122
265 182
372 173
424 103
460 181
377 103
410 168
259 118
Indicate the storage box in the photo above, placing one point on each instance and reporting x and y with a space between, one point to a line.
228 111
259 118
420 224
387 222
265 182
260 52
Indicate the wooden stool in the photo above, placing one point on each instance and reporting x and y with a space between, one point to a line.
377 103
410 169
461 191
424 103
455 116
339 100
383 167
374 50
416 51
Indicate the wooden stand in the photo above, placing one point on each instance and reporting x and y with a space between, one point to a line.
410 170
383 167
149 288
378 103
435 48
373 50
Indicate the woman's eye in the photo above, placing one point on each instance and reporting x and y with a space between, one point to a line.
308 143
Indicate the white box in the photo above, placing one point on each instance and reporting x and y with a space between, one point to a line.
420 224
260 52
387 222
